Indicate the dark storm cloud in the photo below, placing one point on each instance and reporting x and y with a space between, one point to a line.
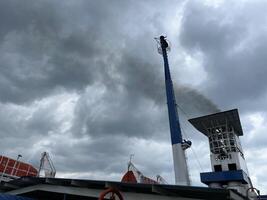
135 115
117 113
53 44
232 39
52 47
93 155
43 120
44 46
25 129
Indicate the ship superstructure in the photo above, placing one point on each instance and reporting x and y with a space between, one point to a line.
228 163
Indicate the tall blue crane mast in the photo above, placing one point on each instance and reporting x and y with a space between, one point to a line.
179 145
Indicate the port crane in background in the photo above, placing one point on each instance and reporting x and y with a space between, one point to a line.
179 144
46 168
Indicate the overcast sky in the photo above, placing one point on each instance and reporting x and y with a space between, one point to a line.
83 80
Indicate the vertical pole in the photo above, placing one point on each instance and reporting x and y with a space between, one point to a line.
176 136
179 159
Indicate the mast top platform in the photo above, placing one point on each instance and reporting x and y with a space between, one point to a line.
162 42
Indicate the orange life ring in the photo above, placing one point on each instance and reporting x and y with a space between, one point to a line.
113 194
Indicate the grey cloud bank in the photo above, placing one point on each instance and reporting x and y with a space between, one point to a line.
232 40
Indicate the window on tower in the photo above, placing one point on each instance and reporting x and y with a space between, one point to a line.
232 167
217 168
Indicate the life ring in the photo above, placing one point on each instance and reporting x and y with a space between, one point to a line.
114 193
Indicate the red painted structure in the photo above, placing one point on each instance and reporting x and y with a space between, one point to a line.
130 177
133 175
16 168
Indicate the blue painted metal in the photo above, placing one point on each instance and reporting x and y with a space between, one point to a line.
175 129
12 197
224 177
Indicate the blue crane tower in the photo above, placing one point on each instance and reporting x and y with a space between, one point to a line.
179 145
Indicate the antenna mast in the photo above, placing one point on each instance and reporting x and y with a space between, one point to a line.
179 145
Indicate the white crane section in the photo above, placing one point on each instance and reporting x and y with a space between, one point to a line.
47 168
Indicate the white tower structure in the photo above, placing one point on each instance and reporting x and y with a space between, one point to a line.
228 163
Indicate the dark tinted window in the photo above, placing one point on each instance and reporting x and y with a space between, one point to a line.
217 168
232 167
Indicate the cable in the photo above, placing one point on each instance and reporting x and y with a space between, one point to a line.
194 153
186 135
179 107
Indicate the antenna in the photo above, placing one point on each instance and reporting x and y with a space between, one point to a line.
130 161
131 157
167 44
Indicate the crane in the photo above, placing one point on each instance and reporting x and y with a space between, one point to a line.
46 168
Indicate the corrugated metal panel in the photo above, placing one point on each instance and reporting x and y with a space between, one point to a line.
16 168
12 197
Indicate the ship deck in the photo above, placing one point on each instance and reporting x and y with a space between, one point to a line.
58 188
